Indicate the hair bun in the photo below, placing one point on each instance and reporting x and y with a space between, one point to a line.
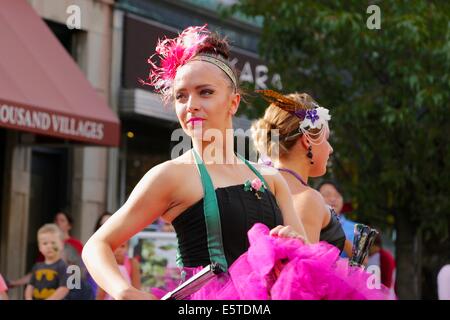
216 45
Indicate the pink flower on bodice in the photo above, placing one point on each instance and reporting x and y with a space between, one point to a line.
256 184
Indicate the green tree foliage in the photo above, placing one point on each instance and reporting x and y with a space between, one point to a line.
388 91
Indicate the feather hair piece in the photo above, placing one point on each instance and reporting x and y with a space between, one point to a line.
174 53
282 101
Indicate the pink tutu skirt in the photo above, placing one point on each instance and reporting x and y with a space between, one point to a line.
277 268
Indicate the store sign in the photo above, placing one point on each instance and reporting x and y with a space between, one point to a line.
256 73
50 123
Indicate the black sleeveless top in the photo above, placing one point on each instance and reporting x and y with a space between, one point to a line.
333 233
239 211
214 230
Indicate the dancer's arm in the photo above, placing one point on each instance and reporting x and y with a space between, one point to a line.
310 208
151 198
285 202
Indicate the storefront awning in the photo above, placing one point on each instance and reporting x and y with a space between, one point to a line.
42 89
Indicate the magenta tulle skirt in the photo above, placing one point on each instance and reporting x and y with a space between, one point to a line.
277 268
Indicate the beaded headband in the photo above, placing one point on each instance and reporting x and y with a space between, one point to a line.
219 63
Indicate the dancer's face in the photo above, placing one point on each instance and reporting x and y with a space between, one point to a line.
321 153
204 98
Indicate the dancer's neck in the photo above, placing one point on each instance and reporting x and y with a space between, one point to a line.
299 167
216 152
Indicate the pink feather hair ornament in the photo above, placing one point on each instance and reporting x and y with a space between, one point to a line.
174 53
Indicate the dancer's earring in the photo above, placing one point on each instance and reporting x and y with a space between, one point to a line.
309 154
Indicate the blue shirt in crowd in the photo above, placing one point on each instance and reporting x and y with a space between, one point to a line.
348 226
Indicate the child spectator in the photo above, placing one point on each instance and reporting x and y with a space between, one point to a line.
49 278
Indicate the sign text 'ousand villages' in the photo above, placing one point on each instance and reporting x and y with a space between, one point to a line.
50 123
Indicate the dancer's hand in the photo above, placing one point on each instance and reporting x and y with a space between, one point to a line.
286 232
132 293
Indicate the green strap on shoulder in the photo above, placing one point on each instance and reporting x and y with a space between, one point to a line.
212 216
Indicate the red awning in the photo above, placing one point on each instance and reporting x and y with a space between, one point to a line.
42 89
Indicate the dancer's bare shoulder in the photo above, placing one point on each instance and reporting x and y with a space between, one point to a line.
172 170
180 178
310 204
310 194
162 180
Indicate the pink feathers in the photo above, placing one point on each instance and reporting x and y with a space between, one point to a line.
174 53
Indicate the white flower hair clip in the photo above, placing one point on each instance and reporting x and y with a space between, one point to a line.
315 118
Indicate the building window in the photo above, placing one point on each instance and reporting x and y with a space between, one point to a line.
66 36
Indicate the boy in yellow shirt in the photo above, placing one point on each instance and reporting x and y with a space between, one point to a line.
49 278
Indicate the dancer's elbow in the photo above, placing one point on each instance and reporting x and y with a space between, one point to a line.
89 250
